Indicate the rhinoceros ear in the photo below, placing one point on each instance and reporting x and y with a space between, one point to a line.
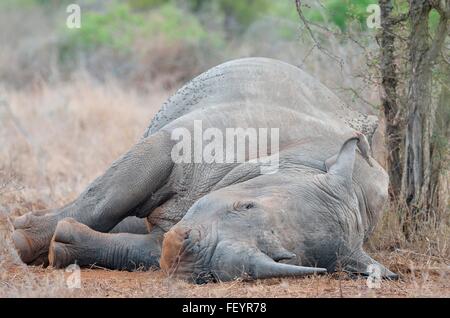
341 166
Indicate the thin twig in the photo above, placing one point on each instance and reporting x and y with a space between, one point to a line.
421 254
357 95
311 34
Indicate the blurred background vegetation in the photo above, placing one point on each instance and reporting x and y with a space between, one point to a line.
145 43
137 40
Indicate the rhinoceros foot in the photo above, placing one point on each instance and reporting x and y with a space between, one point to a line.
68 243
32 236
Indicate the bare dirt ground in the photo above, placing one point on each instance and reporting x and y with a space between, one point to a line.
105 283
55 140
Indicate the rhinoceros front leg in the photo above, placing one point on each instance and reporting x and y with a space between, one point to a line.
118 193
76 243
360 263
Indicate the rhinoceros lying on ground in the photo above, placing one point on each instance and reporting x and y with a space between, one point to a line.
227 220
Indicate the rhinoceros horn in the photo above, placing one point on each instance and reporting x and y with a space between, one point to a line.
244 261
262 266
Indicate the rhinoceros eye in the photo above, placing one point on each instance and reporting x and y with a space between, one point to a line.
243 205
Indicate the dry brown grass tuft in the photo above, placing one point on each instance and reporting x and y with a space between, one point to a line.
429 239
54 140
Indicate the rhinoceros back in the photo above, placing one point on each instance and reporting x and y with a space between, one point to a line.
260 80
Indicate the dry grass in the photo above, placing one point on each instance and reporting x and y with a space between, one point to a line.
39 282
55 139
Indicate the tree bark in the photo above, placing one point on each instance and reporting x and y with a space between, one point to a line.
418 129
417 170
390 97
413 169
440 152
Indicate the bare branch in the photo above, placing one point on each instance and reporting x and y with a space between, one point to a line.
308 53
445 59
311 34
357 95
400 18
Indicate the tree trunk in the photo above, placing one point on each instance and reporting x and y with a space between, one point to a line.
389 98
413 169
440 154
417 165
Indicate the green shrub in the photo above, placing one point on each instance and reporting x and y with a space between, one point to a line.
286 12
119 27
174 24
146 4
115 28
245 12
341 12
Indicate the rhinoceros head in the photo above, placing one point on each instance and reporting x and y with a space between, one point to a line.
250 229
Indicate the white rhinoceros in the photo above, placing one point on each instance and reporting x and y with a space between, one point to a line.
219 220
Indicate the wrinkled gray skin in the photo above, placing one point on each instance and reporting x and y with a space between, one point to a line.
223 221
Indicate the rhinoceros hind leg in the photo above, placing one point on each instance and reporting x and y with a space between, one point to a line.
362 264
76 243
115 195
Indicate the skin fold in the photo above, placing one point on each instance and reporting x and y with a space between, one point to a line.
220 221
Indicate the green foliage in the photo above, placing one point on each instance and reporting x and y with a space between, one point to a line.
400 6
146 4
114 28
175 24
120 26
121 31
245 12
286 13
433 20
24 3
341 12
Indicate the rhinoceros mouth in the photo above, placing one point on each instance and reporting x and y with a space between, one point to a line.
172 249
196 255
186 254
